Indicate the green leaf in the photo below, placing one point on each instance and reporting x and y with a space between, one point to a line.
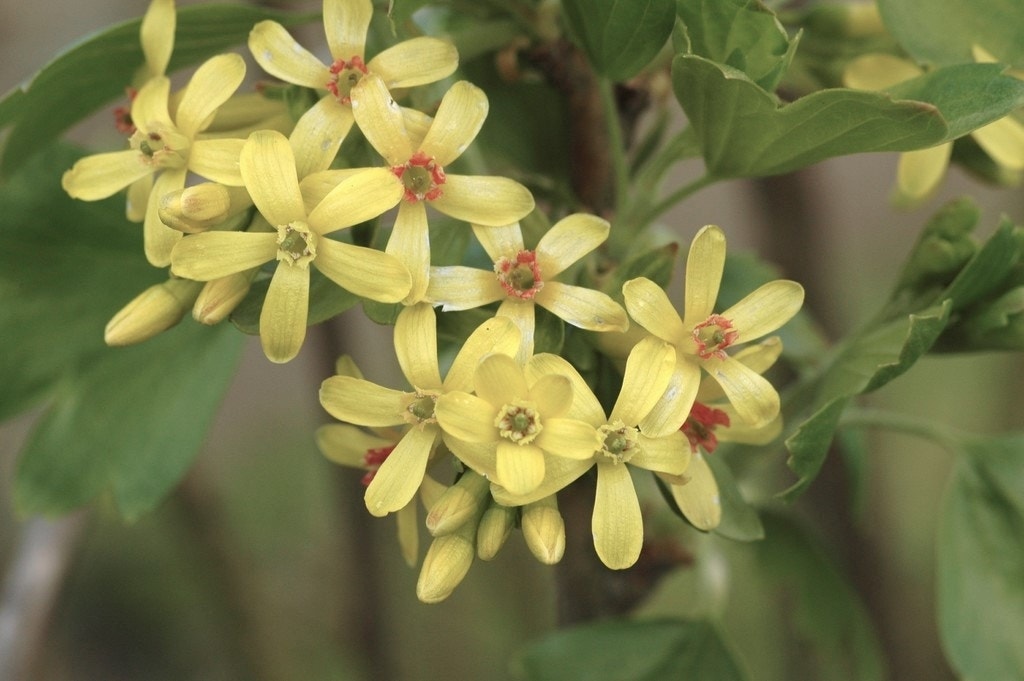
620 38
943 31
743 131
129 422
652 650
96 71
808 445
987 269
831 621
744 34
981 561
740 520
65 268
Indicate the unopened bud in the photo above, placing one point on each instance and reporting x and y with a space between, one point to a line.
458 504
544 530
202 206
495 527
445 566
220 297
156 309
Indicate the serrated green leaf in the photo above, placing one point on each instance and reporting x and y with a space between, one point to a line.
97 70
740 521
652 650
808 445
744 132
981 561
620 38
944 31
743 34
130 422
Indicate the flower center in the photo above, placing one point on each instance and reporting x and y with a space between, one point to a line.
296 245
344 76
373 460
620 441
161 147
520 277
422 177
420 408
713 336
700 425
519 422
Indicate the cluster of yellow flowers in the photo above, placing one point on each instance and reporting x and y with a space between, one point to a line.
519 426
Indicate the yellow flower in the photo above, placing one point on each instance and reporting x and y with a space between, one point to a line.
516 420
919 173
617 524
412 62
416 171
153 311
523 278
703 337
364 403
298 239
168 146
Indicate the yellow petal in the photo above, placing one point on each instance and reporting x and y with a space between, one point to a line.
361 402
704 266
878 72
499 381
410 243
283 319
583 307
669 454
520 468
217 160
279 55
346 23
159 239
617 524
649 306
585 406
491 201
649 369
495 527
1003 140
268 168
138 198
758 357
559 472
101 175
673 406
753 397
456 124
415 62
919 173
466 417
568 241
416 346
462 288
496 335
366 272
398 478
765 309
149 108
358 198
212 255
738 431
500 240
522 313
569 438
213 83
552 393
698 499
157 35
316 186
318 135
544 530
346 444
408 532
380 119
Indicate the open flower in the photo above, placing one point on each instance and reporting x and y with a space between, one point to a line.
702 338
299 238
363 403
412 62
523 278
416 171
166 146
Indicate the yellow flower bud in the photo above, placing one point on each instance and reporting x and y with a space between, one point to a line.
220 297
156 309
544 530
495 526
458 504
446 564
197 208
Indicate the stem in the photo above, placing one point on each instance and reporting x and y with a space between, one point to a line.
616 144
684 192
946 437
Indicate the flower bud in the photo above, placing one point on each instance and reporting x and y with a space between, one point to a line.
156 309
220 297
458 504
495 527
446 564
200 207
544 530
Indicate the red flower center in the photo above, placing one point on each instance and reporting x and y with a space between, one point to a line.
373 460
344 76
713 336
123 114
700 425
421 176
520 276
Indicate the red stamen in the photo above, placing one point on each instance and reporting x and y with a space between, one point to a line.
419 187
123 114
700 425
373 460
713 336
356 67
521 276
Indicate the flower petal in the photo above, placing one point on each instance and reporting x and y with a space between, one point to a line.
649 306
157 35
753 397
669 454
361 402
318 135
415 62
398 478
738 431
285 309
704 266
617 524
759 357
552 393
281 56
649 368
585 405
358 198
458 119
410 243
159 239
345 444
366 272
499 380
217 160
138 198
101 175
521 312
878 71
268 168
466 417
559 472
500 240
496 335
765 309
408 532
212 255
488 201
673 406
698 499
149 108
569 438
582 307
416 346
918 173
380 119
462 288
1003 140
213 83
345 24
568 241
520 468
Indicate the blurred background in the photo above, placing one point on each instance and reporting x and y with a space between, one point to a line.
264 565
